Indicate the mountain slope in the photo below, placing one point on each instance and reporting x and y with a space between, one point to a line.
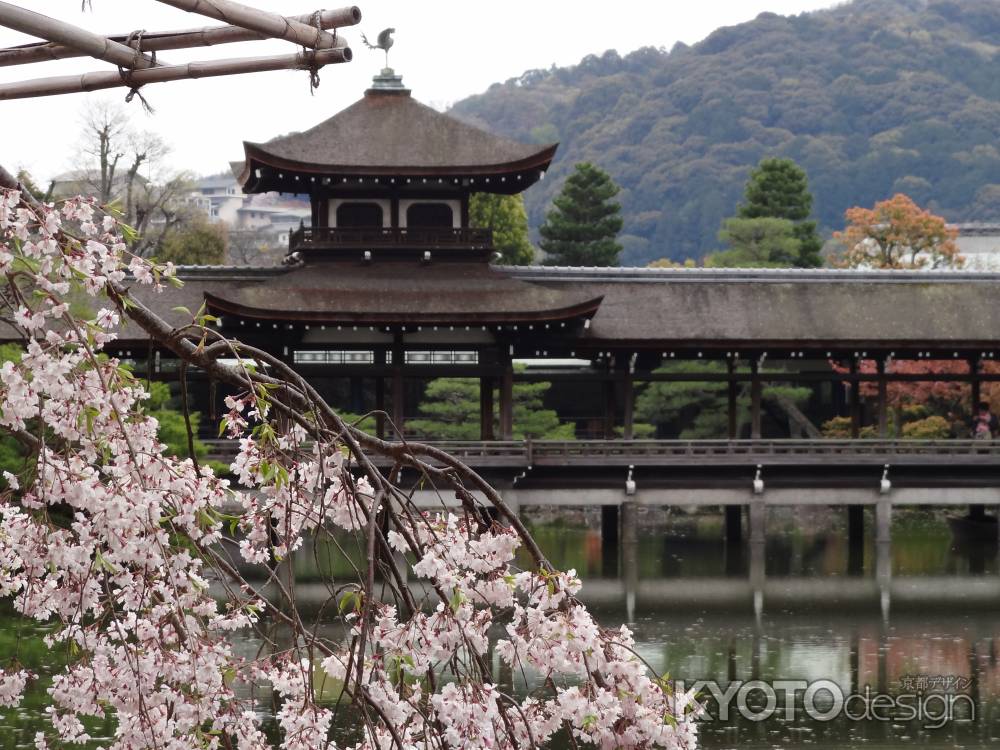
873 97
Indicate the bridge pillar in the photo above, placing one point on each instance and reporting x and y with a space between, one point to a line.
630 555
734 524
755 390
883 576
855 539
610 532
758 520
758 576
883 520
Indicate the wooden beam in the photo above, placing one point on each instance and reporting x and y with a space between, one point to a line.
207 69
87 42
268 24
156 41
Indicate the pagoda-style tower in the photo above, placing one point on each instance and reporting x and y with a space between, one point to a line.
391 177
389 281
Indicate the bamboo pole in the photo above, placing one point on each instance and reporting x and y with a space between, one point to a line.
54 30
154 41
269 24
206 69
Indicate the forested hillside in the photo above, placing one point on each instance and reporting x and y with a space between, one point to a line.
871 98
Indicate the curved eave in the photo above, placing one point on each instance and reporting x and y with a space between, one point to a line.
257 157
563 314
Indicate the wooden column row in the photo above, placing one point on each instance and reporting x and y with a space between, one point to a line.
620 383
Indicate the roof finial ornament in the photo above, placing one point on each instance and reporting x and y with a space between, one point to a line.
383 42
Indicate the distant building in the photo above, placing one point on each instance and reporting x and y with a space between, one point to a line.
258 225
979 244
220 197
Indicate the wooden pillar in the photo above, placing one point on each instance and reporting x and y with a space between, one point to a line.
398 356
755 390
975 383
380 406
734 524
610 533
465 211
486 408
394 210
731 407
883 410
610 405
855 539
628 406
213 410
357 386
507 403
855 402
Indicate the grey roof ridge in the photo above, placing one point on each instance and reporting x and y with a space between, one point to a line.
644 274
230 272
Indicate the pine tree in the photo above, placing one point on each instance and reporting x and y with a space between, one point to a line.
779 189
581 228
450 411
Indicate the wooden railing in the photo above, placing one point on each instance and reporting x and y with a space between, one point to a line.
598 453
307 238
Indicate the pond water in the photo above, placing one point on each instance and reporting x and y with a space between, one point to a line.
918 617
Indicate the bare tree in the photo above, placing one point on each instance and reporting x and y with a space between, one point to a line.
126 167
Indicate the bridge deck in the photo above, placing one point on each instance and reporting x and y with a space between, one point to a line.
693 453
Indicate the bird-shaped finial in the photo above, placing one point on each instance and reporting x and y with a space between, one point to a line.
383 42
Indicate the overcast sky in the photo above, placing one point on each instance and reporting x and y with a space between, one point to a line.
445 49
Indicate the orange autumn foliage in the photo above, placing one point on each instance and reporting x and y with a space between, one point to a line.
948 394
897 233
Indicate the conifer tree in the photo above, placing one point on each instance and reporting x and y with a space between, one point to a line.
581 228
779 189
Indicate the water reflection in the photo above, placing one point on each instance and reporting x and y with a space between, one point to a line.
801 606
